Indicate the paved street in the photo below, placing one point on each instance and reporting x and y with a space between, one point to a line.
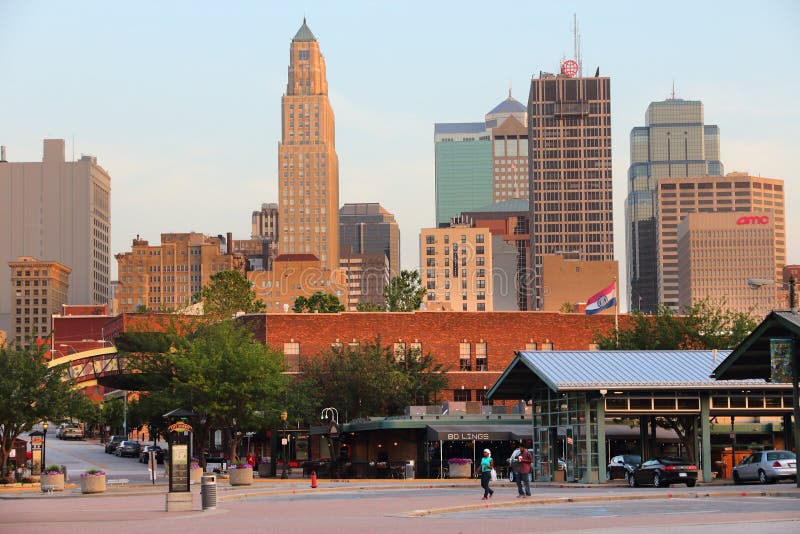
393 506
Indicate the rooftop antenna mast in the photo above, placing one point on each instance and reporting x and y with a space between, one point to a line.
576 37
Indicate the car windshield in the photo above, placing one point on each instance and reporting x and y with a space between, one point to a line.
631 459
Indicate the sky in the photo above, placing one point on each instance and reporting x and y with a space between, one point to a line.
180 101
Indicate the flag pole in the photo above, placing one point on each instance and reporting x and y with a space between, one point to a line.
616 311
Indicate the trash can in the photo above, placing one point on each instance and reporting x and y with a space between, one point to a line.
409 469
208 492
64 470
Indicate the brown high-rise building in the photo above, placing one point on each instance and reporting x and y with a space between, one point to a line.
308 167
367 228
569 131
737 191
39 289
167 276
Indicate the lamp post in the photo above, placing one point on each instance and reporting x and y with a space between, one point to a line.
284 416
44 445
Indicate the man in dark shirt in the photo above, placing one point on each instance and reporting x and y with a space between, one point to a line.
524 476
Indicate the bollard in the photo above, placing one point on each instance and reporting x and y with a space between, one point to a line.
208 492
313 479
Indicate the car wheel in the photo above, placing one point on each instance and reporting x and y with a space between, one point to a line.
762 477
690 483
657 480
632 481
736 478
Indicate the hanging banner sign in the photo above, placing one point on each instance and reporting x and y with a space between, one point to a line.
780 360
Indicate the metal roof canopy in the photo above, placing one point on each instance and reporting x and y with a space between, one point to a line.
751 359
618 370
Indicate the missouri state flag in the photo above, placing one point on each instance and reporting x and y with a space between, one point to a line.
602 300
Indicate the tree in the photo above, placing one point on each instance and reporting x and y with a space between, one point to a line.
319 302
369 380
370 307
405 292
567 307
704 325
31 393
228 293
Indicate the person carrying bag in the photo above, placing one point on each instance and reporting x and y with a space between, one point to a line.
486 470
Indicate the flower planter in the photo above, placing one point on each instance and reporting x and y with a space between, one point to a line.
460 470
195 475
93 484
54 482
240 477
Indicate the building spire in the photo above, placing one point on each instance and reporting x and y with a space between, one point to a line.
304 33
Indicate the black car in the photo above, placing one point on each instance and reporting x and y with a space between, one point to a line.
663 471
620 466
128 448
144 456
111 445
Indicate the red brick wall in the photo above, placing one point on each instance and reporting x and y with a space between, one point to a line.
440 334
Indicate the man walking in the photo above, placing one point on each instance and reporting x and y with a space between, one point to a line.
523 477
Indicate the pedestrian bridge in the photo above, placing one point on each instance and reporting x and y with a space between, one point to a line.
102 366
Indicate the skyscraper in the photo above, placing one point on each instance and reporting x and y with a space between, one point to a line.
308 167
674 143
367 228
61 211
570 197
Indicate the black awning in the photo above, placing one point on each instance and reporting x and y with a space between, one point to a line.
478 432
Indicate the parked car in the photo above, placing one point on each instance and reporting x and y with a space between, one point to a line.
663 471
111 445
620 466
128 448
766 467
144 455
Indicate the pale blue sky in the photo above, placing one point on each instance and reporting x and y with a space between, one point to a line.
184 97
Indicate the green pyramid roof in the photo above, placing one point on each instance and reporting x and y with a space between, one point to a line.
304 33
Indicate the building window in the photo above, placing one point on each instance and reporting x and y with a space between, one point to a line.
462 395
400 352
481 362
479 238
464 357
430 240
292 352
354 346
530 346
415 350
337 346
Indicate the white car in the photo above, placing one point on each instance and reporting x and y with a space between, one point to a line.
766 467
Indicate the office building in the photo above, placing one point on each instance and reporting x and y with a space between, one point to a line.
367 276
570 211
718 252
735 192
169 275
39 289
59 210
478 163
675 142
456 268
308 167
569 282
265 222
367 228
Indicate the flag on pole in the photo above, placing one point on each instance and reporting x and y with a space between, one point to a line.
602 300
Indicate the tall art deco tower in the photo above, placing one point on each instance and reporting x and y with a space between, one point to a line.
308 167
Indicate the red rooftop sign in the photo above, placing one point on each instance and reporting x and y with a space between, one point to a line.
753 219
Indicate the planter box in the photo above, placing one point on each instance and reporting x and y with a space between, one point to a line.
195 476
93 484
240 477
460 470
54 481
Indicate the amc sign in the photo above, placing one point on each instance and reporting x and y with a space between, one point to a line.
753 219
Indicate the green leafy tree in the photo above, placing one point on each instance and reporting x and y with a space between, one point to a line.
370 307
567 307
369 380
30 393
228 293
319 302
405 292
704 325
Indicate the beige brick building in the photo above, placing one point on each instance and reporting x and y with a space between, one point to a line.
295 275
735 192
718 253
367 275
456 268
39 290
308 167
167 276
573 281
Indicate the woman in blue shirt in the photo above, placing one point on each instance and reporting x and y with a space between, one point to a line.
487 464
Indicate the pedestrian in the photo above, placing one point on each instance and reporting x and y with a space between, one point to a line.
523 477
487 465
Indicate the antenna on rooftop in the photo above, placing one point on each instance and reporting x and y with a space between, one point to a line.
576 37
673 89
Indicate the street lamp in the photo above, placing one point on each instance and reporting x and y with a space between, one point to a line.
755 283
44 445
284 416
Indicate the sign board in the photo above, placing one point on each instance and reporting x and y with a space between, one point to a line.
780 360
179 468
180 426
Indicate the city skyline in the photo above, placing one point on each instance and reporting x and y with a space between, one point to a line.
183 107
